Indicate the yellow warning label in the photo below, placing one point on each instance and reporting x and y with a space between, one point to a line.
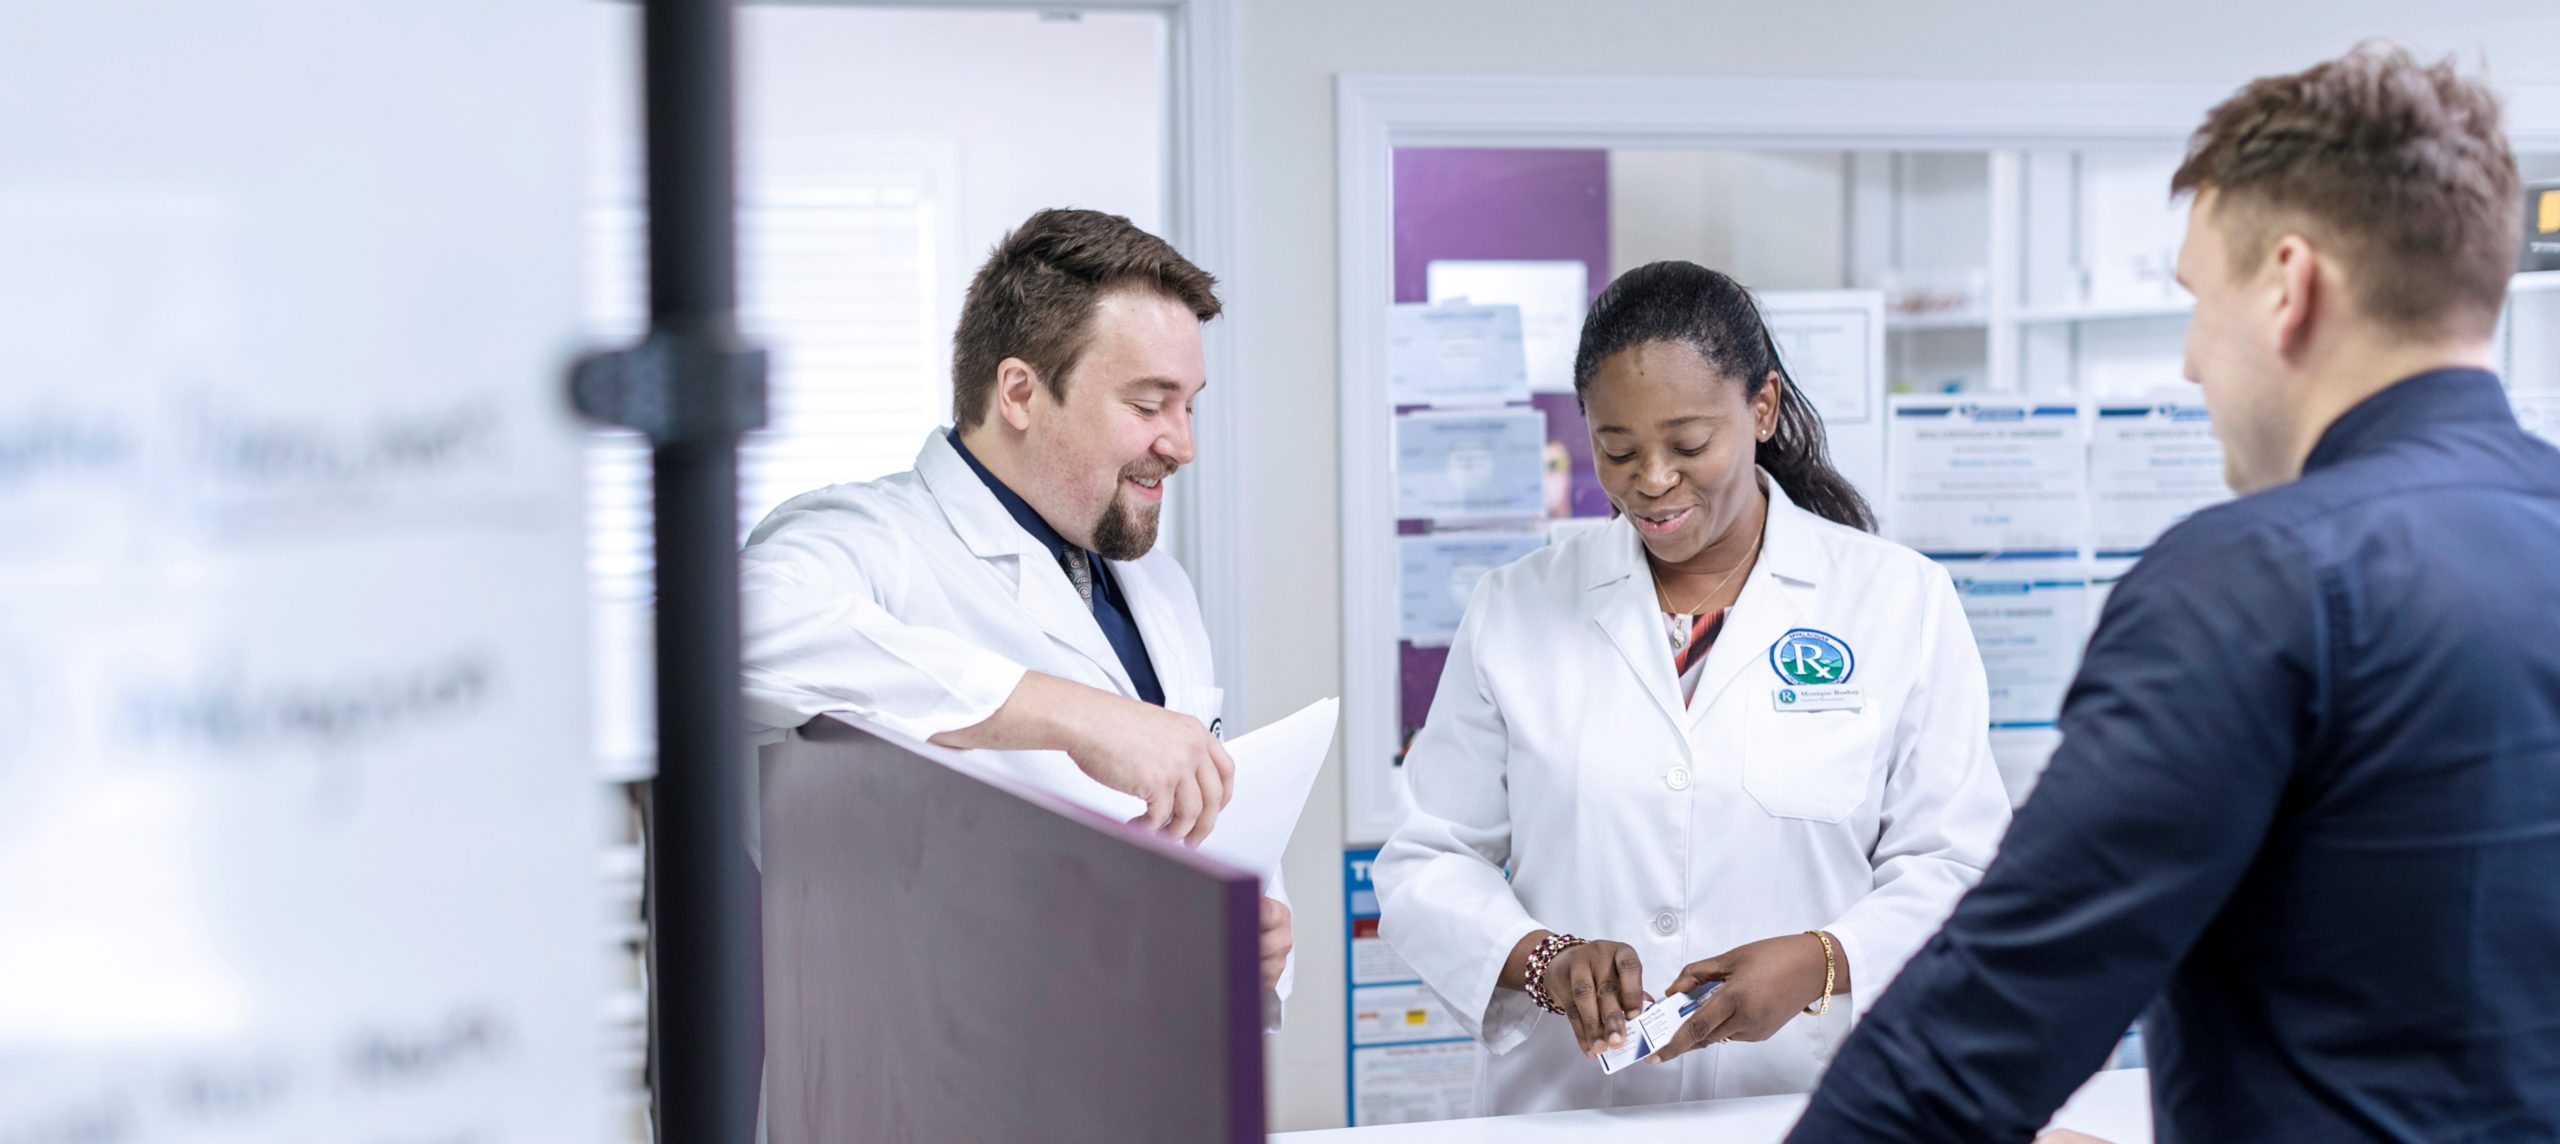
2549 220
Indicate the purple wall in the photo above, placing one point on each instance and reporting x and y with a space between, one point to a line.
1506 206
1499 205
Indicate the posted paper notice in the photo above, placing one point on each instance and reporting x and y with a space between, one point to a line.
2030 621
2150 466
1435 574
1552 296
1455 355
1471 466
1987 476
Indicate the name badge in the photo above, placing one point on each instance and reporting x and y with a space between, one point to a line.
1840 698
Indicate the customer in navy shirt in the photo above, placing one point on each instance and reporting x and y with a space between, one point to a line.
2305 818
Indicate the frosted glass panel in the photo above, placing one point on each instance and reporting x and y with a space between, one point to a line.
297 822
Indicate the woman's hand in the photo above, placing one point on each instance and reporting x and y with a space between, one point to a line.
1766 983
1599 984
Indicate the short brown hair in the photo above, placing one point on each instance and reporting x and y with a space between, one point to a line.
1034 298
2401 167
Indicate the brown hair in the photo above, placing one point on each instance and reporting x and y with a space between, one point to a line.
1034 298
2400 167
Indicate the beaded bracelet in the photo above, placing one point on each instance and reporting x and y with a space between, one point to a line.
1539 957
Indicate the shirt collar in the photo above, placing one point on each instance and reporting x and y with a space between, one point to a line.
1020 509
2405 406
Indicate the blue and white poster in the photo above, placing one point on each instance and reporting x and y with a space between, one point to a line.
1408 1059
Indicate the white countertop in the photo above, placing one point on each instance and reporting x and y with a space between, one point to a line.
2114 1106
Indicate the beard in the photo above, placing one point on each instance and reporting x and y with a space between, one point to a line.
1127 532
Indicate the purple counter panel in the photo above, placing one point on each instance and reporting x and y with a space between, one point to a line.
950 958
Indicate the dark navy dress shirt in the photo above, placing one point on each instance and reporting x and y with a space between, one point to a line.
2306 813
1110 608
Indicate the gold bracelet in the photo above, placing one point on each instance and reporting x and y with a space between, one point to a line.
1830 973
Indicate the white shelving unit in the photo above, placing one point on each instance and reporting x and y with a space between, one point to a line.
2038 316
2013 271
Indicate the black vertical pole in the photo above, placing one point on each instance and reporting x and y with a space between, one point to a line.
707 978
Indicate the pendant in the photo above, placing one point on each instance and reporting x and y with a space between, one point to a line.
1679 632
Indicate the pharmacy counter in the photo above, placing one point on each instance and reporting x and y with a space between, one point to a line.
2114 1106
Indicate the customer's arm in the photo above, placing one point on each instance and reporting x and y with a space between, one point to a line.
2178 739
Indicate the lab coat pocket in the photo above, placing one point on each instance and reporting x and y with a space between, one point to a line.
1811 764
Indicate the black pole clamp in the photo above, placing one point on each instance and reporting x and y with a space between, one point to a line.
675 388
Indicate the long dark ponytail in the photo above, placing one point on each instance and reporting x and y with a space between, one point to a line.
1688 304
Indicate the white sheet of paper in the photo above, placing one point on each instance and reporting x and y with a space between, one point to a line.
1436 573
1455 355
1552 297
2030 620
1463 466
2150 466
1275 768
1830 341
1977 476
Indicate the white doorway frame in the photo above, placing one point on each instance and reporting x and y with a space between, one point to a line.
1377 114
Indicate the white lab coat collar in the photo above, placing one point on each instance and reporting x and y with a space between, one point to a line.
1775 597
1787 546
1039 585
976 515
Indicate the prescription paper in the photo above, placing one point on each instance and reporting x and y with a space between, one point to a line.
1275 769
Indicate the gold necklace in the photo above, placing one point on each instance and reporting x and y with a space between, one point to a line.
1680 631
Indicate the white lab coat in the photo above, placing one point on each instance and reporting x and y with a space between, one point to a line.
1559 749
918 602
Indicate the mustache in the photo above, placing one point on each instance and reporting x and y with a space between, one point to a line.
1156 471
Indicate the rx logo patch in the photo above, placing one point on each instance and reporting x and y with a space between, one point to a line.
1808 658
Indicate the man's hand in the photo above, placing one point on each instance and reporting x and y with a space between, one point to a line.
1766 984
1164 758
1276 943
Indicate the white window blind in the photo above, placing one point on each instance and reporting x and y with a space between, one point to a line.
838 272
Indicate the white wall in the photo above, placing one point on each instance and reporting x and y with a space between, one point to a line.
1023 111
1034 112
1292 49
1775 220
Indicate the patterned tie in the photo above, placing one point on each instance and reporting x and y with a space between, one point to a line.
1079 566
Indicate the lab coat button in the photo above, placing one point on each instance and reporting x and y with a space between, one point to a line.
1678 779
1666 923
